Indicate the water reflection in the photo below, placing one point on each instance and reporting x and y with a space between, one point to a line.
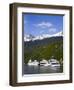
42 69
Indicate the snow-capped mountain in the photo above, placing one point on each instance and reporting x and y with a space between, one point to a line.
40 37
28 37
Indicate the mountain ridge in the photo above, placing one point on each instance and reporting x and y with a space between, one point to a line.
45 48
30 37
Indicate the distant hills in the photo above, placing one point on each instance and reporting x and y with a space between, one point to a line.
45 41
38 49
40 37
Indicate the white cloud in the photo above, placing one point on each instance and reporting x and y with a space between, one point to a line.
44 25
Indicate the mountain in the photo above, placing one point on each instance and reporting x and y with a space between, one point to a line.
30 37
44 49
45 41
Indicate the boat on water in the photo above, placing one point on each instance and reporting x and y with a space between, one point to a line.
54 63
51 62
33 63
44 63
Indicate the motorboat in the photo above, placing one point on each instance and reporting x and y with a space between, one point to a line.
44 63
33 63
54 63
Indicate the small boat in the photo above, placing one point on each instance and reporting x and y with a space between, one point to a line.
34 63
44 63
54 63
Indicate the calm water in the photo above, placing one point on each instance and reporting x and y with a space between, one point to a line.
42 69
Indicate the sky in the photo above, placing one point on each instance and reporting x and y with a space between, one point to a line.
39 24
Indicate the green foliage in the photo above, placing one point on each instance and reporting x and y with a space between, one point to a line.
44 52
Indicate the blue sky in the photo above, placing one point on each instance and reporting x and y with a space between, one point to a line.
37 24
